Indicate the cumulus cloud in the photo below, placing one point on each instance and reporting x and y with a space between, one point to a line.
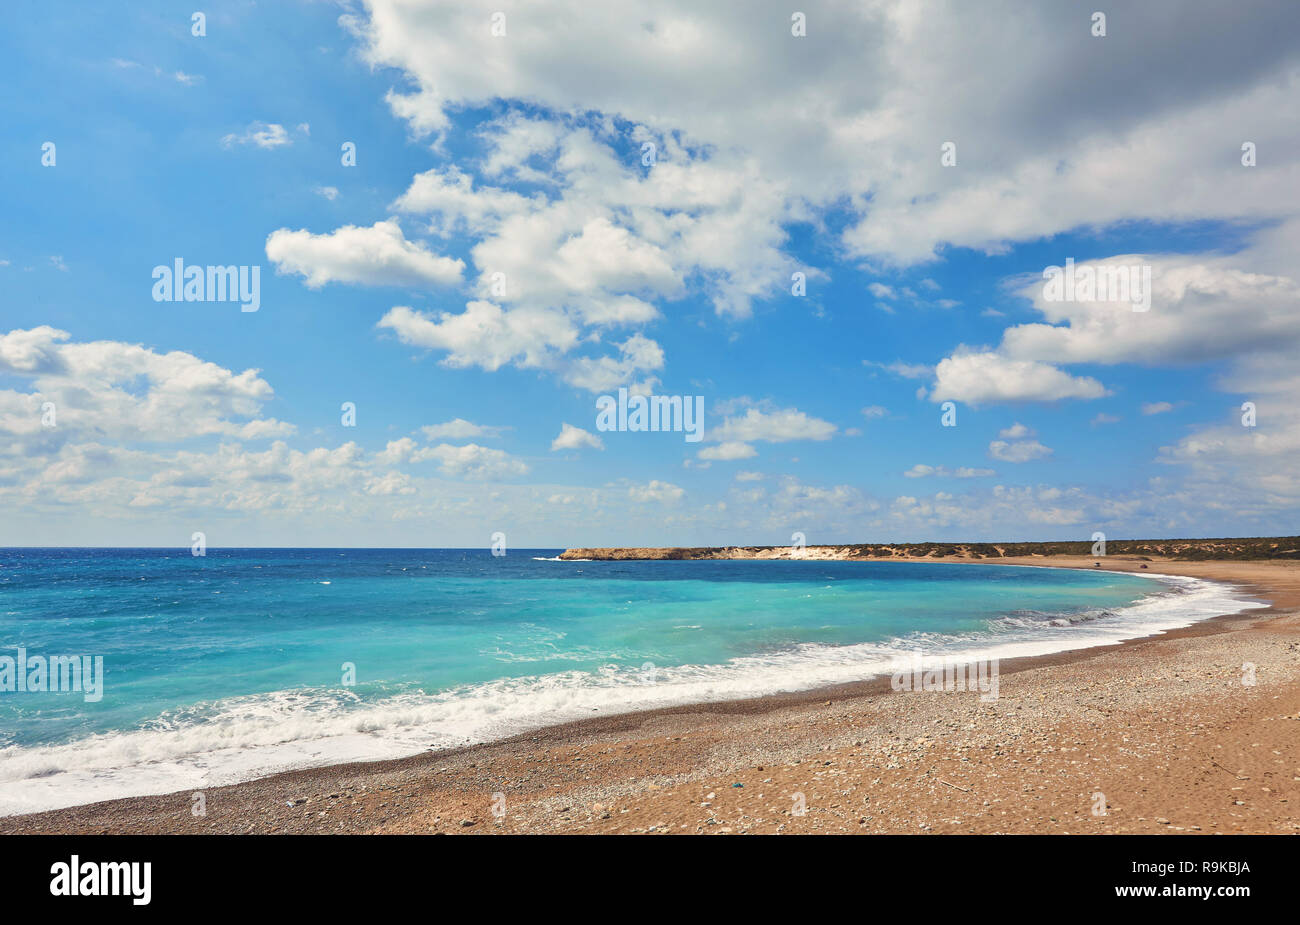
921 470
587 239
978 378
1238 470
115 391
655 490
260 134
1018 451
899 368
638 355
459 429
917 77
484 335
377 256
473 461
116 432
1201 310
728 451
1219 309
600 239
1015 432
575 438
774 426
448 200
611 233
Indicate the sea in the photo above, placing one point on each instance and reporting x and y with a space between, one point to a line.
243 662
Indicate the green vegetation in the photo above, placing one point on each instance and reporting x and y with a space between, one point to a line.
1277 547
1281 547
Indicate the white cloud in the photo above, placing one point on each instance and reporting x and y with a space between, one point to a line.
606 257
921 470
484 335
735 166
655 490
612 238
472 461
918 75
1201 310
1019 451
449 200
776 426
376 256
261 134
517 140
637 355
728 451
575 438
1246 471
979 378
327 192
874 411
905 370
459 429
1156 407
594 240
604 232
1015 432
114 391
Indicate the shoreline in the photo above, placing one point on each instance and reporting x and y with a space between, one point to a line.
376 796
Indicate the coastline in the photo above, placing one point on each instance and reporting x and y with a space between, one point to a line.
908 763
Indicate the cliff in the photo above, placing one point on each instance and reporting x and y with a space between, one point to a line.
1286 547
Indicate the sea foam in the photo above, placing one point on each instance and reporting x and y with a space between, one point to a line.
246 737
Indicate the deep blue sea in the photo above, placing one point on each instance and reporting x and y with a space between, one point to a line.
236 664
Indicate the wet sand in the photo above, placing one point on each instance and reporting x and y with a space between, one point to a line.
1150 736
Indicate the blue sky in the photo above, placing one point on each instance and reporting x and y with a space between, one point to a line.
817 154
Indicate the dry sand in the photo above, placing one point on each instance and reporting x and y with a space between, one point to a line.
1160 731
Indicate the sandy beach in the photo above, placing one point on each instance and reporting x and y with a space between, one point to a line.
1161 731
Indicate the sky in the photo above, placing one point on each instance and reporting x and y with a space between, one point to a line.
470 221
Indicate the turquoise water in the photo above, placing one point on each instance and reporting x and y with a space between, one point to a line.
220 666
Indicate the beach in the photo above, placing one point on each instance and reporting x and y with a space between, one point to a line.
1154 735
